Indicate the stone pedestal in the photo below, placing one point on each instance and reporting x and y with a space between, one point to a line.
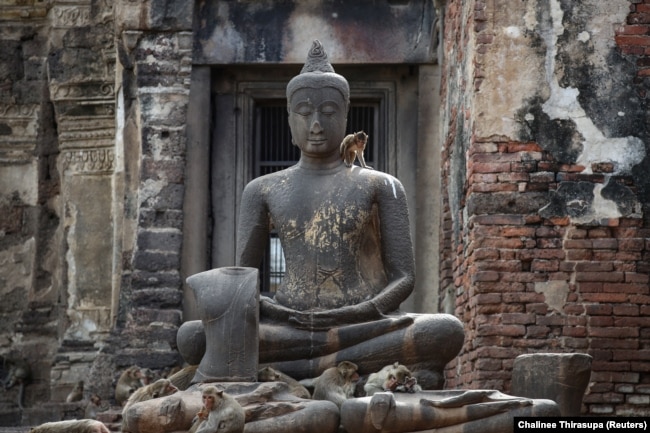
561 377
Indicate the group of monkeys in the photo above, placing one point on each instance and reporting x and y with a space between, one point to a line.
221 412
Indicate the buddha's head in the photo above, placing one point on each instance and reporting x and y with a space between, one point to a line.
318 100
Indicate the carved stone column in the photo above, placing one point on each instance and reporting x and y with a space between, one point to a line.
81 69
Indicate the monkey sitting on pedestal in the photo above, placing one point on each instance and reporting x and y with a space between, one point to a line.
268 374
336 384
220 413
160 388
395 378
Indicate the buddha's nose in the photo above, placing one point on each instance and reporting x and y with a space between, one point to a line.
316 128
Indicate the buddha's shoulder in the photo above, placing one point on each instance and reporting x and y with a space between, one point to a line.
375 177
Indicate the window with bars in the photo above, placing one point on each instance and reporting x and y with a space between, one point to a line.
274 151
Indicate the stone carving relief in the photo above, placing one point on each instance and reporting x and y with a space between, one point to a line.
88 161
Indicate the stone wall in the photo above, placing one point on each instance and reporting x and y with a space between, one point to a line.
546 208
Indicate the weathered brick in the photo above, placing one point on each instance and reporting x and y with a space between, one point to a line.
606 297
545 265
579 254
613 343
632 355
601 321
642 322
610 397
594 266
633 277
591 287
610 277
643 400
523 297
518 318
536 331
610 366
485 298
631 288
537 307
574 331
626 310
598 310
575 343
489 364
621 377
577 244
485 276
502 330
631 244
576 309
605 244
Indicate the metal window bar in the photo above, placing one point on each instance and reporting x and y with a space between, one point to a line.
274 151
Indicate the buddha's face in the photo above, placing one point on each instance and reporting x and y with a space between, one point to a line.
317 118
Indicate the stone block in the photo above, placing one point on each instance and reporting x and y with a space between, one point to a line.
561 377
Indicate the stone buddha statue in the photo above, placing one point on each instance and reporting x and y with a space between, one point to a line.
349 265
346 240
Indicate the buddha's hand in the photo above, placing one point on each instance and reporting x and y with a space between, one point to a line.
327 319
320 320
271 309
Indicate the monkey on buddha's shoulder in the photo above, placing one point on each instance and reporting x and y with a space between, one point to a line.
336 384
352 147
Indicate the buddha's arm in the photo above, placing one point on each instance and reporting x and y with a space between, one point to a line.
253 228
396 245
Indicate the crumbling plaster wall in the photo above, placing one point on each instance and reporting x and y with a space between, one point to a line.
546 215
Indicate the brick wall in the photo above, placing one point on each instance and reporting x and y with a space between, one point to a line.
527 281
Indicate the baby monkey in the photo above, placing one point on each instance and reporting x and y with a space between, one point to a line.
352 147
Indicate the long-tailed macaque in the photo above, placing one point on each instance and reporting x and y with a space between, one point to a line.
15 372
220 413
395 378
160 388
336 384
182 379
352 147
72 426
129 381
268 374
93 407
77 393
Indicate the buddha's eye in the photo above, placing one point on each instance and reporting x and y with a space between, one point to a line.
328 109
303 109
